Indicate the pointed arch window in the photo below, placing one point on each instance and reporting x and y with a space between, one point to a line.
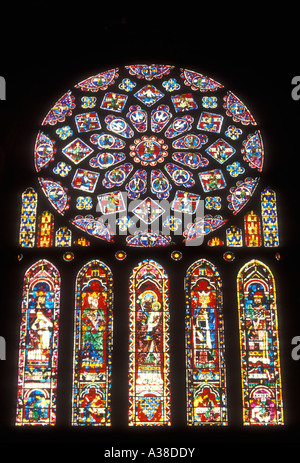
206 376
259 345
38 354
149 361
93 346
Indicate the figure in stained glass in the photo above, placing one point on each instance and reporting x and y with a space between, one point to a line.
149 388
37 379
206 378
259 345
93 346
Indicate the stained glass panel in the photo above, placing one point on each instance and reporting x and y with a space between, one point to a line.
28 218
269 218
45 230
149 358
252 229
259 344
147 131
37 380
205 362
93 346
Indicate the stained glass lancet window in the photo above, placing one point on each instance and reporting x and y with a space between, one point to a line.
206 376
38 354
259 345
45 230
28 218
252 229
269 218
149 358
93 346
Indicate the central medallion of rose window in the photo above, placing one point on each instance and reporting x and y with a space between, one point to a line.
148 150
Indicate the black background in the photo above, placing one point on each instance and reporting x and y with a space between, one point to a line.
255 56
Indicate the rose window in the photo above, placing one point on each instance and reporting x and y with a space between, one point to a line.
119 146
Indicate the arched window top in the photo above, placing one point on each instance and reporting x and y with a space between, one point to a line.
203 267
149 269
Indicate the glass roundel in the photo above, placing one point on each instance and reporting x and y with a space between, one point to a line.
149 155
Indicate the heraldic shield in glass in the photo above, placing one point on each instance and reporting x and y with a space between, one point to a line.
260 363
206 378
149 361
93 346
37 379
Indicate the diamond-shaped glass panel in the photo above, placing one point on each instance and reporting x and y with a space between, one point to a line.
77 150
149 95
220 150
148 210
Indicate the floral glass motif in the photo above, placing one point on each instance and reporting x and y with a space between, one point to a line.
234 236
157 118
38 353
149 358
205 362
269 218
28 218
63 237
259 345
93 346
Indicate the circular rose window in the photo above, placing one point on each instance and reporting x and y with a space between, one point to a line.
148 155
